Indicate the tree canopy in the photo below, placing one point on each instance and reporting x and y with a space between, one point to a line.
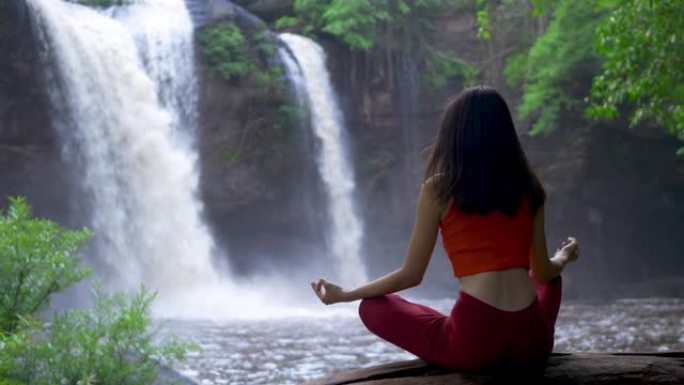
633 51
598 58
641 43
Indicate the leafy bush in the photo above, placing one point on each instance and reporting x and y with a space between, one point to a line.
112 344
628 51
38 259
354 21
264 44
225 47
289 115
554 63
643 45
227 51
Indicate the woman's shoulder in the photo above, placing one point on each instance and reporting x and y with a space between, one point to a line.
431 187
430 192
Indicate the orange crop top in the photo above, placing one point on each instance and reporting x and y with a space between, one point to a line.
476 243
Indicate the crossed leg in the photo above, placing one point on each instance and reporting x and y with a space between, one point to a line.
473 336
460 341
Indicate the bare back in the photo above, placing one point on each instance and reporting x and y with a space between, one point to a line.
508 290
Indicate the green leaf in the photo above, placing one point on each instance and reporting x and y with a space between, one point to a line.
40 258
225 48
643 71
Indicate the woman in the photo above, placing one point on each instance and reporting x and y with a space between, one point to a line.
480 191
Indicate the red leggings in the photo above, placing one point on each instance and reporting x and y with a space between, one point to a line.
474 336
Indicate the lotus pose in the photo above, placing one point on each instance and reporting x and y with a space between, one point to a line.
481 193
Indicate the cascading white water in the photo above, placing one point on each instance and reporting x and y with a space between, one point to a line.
163 32
122 124
294 73
333 163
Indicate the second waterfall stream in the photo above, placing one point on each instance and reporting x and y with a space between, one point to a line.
311 78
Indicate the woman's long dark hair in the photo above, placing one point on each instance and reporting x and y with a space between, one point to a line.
477 159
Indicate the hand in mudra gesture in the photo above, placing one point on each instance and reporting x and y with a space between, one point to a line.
569 250
328 292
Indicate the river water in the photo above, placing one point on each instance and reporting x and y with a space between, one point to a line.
291 350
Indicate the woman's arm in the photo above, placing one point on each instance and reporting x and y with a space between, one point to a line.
543 268
411 272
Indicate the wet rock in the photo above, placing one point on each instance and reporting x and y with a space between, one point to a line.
220 9
581 368
268 10
30 153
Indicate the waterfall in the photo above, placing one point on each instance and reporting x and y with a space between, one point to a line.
163 32
312 79
122 114
295 75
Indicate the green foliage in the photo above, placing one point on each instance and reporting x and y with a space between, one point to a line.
393 25
229 154
289 116
112 344
540 7
483 23
229 55
38 260
632 52
286 21
642 43
264 78
359 22
11 346
516 67
225 47
309 15
264 44
553 63
443 67
354 21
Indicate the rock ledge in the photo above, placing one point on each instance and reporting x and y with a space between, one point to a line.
580 368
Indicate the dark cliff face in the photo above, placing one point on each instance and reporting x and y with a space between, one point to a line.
30 157
620 193
258 180
259 183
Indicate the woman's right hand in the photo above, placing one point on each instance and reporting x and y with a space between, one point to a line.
329 293
569 250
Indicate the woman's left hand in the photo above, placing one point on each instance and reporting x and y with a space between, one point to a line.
329 293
